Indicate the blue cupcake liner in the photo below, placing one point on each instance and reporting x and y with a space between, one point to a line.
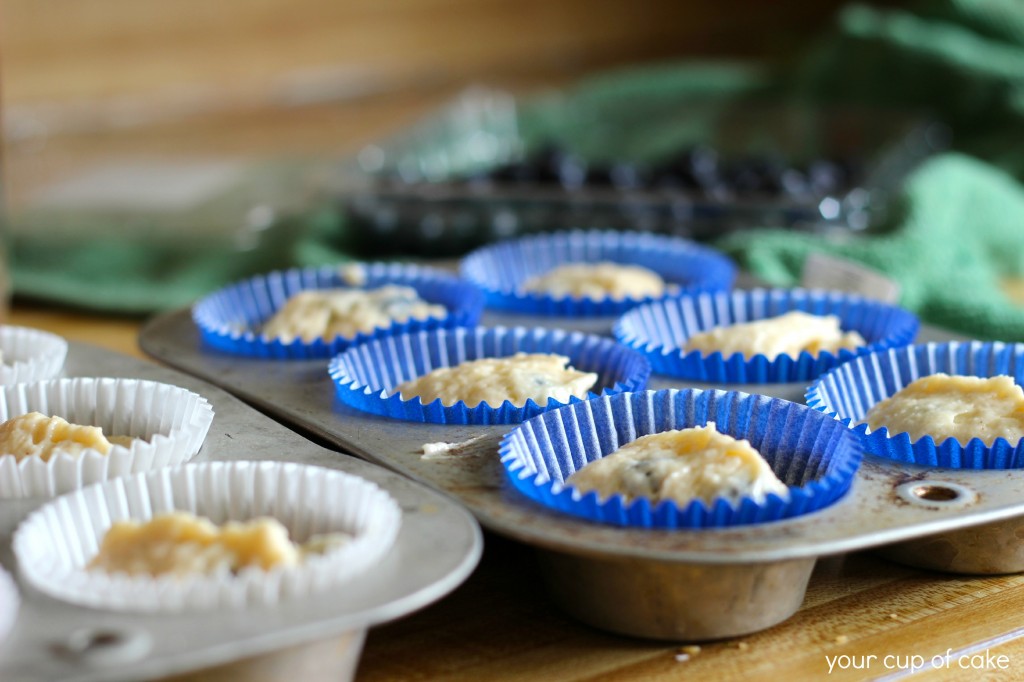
365 373
229 318
500 269
850 390
660 330
814 455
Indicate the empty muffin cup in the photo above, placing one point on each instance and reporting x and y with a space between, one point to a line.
230 320
55 544
814 456
850 390
28 354
166 424
500 270
661 329
366 375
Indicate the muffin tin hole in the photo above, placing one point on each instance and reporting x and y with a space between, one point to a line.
940 494
107 646
936 493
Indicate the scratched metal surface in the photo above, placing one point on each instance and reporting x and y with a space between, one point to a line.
443 538
879 509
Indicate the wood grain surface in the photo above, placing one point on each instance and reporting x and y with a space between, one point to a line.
151 59
192 76
114 333
499 625
91 80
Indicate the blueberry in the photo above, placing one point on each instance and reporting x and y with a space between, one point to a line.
572 172
548 162
793 182
626 175
514 172
599 175
825 176
743 178
703 163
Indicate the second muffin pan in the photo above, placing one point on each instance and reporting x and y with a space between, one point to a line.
53 639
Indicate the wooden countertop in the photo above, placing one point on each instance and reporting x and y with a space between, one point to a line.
93 71
500 624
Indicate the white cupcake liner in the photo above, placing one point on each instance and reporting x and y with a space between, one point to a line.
172 421
30 354
55 543
9 601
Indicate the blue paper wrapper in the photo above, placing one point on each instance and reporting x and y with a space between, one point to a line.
501 269
229 319
814 455
660 331
365 375
850 390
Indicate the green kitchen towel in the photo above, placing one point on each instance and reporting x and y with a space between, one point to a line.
134 276
117 276
957 230
960 60
957 227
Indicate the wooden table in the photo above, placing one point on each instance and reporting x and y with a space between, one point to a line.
860 610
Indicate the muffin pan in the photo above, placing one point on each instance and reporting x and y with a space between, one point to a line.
640 583
54 640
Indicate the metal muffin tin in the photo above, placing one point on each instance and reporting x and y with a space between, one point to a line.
675 585
53 640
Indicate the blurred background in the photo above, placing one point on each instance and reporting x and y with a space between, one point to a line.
115 65
153 151
93 80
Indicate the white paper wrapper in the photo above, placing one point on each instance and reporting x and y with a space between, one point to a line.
54 544
30 354
168 423
9 601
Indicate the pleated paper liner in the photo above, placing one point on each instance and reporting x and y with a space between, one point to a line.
660 330
55 543
850 390
815 456
168 425
229 319
365 375
30 354
501 269
9 601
